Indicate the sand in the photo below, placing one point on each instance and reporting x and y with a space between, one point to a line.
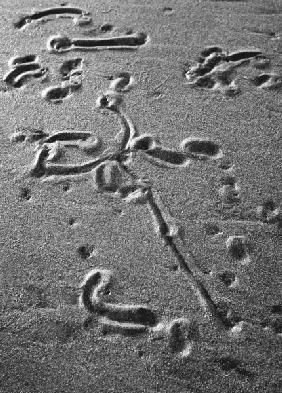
141 196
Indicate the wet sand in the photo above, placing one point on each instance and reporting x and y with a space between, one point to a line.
141 197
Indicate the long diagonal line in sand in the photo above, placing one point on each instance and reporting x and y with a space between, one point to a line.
189 268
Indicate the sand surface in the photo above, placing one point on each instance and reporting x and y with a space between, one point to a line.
140 199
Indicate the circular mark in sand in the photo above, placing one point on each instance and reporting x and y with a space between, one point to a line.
225 164
276 309
174 268
122 82
237 247
230 317
111 100
167 10
107 176
227 278
143 142
66 187
105 27
85 251
229 194
201 148
25 193
260 79
211 229
269 213
17 137
227 180
276 325
72 221
205 82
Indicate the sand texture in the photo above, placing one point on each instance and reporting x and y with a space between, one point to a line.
140 198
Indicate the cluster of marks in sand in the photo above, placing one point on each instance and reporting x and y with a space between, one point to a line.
216 70
24 67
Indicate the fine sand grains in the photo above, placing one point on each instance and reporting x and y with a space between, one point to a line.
158 190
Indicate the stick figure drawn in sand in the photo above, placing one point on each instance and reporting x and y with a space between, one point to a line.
111 174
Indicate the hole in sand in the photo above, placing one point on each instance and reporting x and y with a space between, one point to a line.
236 246
276 309
143 142
227 278
225 164
25 193
66 187
276 325
211 229
85 251
228 363
260 79
227 180
105 27
72 221
200 147
205 82
167 10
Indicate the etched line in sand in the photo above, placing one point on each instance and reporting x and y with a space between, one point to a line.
67 136
188 266
27 135
22 68
117 318
17 60
79 16
61 44
51 147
